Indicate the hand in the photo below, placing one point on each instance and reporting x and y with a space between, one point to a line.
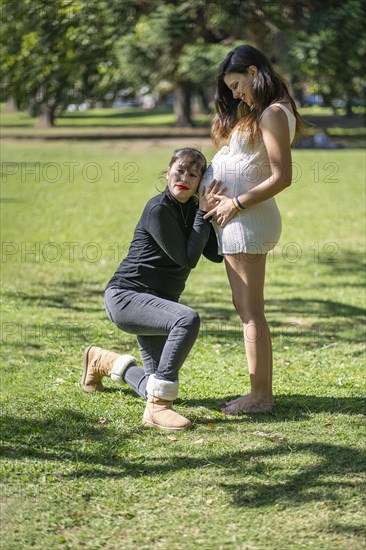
206 198
223 211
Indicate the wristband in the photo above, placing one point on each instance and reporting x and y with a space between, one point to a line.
237 204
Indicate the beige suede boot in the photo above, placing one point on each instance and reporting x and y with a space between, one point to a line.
99 362
158 411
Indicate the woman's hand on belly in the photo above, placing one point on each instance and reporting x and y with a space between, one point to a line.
224 210
207 196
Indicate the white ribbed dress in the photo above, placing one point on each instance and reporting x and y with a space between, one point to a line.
257 229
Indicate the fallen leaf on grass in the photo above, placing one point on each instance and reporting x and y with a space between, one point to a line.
328 424
209 501
172 437
273 436
210 425
102 420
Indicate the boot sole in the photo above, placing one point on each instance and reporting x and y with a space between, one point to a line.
147 423
89 389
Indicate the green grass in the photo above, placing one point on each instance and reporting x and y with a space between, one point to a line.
136 116
123 117
79 471
138 123
106 117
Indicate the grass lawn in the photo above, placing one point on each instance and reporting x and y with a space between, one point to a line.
79 470
139 122
112 118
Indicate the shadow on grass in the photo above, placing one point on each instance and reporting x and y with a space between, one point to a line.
288 407
320 308
69 437
71 295
350 530
123 113
53 437
344 266
334 468
10 200
219 324
109 133
318 323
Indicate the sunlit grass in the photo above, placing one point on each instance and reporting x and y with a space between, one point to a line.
79 471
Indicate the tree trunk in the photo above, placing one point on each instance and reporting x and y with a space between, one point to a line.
263 34
349 111
43 107
11 105
46 118
182 105
205 102
257 30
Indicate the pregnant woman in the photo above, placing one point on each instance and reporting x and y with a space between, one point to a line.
255 124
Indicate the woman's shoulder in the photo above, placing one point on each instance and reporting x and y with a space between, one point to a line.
153 208
275 113
151 203
279 118
278 107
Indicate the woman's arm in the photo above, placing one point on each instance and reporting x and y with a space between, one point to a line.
168 234
276 138
211 249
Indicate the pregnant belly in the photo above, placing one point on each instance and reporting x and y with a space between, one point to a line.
238 177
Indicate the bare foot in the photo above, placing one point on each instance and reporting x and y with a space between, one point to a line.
247 404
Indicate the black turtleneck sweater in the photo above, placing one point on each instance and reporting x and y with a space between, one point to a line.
168 242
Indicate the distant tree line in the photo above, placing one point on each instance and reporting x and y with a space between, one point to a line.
61 52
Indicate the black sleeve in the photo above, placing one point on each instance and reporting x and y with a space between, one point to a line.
210 250
169 235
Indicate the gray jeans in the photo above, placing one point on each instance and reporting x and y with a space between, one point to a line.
165 330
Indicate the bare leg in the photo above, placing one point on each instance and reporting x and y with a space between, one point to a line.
246 273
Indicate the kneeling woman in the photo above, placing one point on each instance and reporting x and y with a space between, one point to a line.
142 296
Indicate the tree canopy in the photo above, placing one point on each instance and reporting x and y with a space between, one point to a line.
59 52
67 51
329 50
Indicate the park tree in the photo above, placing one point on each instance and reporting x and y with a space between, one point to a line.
151 52
60 52
329 50
66 51
179 45
182 43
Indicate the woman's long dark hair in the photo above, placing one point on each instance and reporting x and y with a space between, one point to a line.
268 87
